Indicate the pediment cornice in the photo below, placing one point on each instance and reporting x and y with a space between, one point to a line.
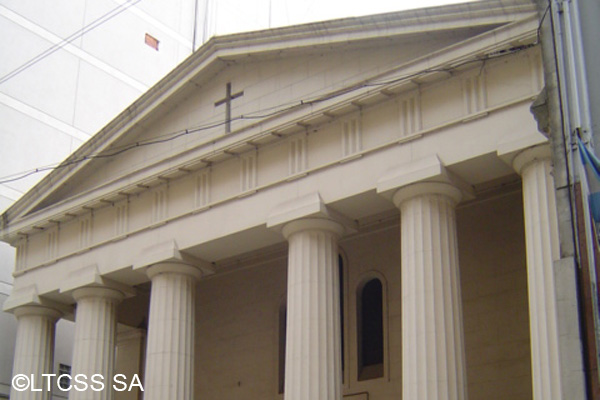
19 217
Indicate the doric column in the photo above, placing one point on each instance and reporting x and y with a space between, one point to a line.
433 357
313 357
170 349
541 238
94 343
34 349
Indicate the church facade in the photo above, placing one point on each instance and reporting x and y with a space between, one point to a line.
361 209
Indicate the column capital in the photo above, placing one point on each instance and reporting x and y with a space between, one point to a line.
103 292
33 310
427 188
168 253
429 171
528 156
174 268
310 207
28 296
318 224
89 282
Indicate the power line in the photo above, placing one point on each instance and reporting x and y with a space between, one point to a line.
265 113
88 28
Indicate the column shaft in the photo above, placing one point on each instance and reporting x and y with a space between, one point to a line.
34 349
170 352
313 353
94 343
433 358
541 238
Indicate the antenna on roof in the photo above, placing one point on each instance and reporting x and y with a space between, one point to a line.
194 34
206 21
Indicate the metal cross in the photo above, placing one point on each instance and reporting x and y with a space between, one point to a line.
227 102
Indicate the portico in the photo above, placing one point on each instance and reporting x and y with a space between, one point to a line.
227 249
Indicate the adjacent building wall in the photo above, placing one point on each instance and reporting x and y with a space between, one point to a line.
50 108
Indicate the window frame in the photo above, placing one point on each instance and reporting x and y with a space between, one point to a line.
362 281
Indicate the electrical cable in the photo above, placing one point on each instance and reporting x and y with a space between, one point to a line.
260 114
75 35
539 29
567 151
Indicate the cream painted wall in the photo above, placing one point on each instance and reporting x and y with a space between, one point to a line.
494 291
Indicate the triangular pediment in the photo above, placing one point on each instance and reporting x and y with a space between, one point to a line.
276 80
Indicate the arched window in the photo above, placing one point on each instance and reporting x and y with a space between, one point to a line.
370 330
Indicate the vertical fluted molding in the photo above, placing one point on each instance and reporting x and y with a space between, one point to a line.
313 353
542 245
34 348
94 342
433 356
170 349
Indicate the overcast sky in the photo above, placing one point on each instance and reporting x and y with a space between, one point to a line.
229 16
